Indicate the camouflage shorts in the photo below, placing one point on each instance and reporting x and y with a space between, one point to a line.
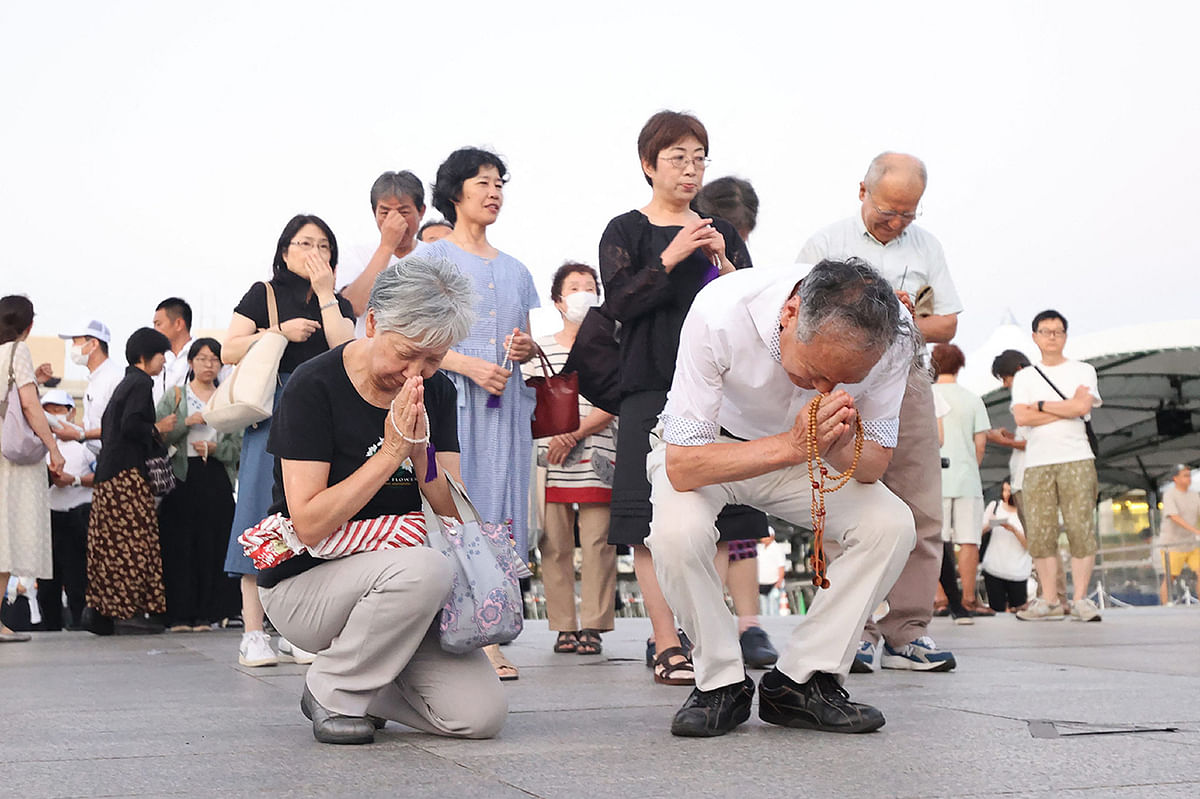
1067 487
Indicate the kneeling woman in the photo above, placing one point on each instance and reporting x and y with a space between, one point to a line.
341 455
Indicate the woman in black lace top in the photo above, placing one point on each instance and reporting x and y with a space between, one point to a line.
653 261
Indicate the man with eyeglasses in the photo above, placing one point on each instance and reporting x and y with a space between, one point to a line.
1052 399
911 259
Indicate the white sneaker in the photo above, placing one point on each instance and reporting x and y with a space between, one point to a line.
865 659
1041 610
290 653
920 654
255 650
1085 610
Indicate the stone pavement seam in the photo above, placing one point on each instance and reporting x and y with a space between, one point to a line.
475 772
1060 791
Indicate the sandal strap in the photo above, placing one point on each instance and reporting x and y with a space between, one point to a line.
669 671
664 658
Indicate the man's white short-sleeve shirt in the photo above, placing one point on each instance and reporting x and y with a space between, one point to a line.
352 262
911 260
728 373
100 386
1064 440
174 371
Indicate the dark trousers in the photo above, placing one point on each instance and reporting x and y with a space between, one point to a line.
949 579
1004 594
194 522
68 542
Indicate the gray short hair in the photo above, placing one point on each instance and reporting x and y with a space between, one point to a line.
425 299
397 184
888 161
856 301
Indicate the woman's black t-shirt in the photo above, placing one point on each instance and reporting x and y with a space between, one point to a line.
292 300
322 417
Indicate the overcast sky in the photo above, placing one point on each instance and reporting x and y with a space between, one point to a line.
152 149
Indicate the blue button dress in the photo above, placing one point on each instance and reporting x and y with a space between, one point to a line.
496 443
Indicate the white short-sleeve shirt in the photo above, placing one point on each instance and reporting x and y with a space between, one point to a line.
100 386
79 461
1061 441
352 262
174 371
911 260
728 373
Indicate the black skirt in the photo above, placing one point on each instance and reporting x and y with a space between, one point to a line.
629 519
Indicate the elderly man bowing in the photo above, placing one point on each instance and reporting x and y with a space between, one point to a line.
756 351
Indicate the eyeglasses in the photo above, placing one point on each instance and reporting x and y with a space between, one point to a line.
681 161
889 215
308 244
1052 333
206 360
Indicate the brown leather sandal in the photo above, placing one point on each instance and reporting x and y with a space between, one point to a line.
668 673
589 643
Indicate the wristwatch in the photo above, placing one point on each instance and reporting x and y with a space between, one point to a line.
76 482
1040 404
82 436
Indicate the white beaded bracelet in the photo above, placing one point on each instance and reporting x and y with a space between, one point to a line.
396 427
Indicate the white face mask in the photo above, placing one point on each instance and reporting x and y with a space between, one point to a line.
578 305
77 356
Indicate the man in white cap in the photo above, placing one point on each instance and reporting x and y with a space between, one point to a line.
89 347
70 506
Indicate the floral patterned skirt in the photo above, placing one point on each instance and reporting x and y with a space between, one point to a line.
124 560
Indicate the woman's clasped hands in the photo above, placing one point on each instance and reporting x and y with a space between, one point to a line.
406 425
697 234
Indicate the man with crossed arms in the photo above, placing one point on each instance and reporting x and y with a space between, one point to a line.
755 350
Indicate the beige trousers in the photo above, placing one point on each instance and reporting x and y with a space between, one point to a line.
915 476
598 575
872 527
369 617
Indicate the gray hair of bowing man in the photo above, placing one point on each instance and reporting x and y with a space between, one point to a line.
849 298
424 298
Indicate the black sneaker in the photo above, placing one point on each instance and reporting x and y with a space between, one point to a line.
757 650
716 712
819 704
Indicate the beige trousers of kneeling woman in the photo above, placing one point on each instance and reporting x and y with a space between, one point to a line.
368 617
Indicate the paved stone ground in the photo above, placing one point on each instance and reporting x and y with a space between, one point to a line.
173 715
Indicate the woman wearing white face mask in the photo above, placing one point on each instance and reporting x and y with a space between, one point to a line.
579 467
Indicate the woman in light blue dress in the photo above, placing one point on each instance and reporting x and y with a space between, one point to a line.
494 404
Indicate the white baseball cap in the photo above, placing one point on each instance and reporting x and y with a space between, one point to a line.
56 396
91 327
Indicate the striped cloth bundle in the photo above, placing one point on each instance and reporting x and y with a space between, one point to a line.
274 540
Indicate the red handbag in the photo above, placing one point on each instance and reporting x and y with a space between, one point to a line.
557 410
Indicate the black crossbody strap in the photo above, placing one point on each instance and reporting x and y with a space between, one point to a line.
1051 382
